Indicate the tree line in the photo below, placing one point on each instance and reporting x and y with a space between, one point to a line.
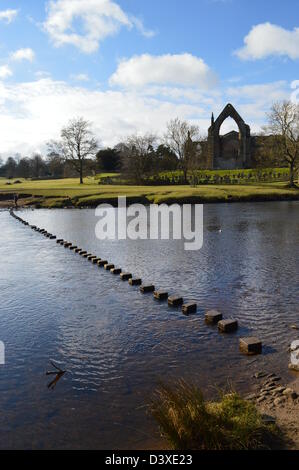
77 152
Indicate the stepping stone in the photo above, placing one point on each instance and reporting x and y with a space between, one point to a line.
250 346
86 255
96 260
52 237
213 316
175 301
115 271
147 288
135 282
73 248
108 266
189 308
67 245
83 253
160 295
91 257
228 326
78 250
102 263
125 276
59 240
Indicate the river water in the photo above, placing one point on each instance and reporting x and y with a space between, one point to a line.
117 344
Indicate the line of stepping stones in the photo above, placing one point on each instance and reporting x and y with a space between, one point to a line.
249 346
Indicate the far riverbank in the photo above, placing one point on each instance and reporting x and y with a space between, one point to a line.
69 193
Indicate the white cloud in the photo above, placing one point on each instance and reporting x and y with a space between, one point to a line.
33 113
254 101
267 39
98 18
80 77
8 15
177 69
23 54
5 72
266 92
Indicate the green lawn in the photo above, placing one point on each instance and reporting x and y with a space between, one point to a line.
59 193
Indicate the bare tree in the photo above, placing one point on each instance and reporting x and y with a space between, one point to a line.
178 136
138 156
77 144
283 125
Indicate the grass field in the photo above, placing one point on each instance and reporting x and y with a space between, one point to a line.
231 173
68 192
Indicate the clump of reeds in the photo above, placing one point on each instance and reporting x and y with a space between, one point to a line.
190 422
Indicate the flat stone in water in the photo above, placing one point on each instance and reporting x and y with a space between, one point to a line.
102 263
213 317
108 267
96 260
175 301
125 276
135 282
160 295
189 308
228 326
115 271
147 288
250 346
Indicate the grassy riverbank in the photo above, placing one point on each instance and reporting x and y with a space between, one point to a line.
68 192
188 422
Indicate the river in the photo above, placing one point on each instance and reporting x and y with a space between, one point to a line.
115 343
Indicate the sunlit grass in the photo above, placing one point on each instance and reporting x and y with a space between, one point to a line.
91 193
189 422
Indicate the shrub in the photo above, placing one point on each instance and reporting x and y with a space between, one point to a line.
189 422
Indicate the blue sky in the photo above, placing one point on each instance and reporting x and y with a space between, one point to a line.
131 65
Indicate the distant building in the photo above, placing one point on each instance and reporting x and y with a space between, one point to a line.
232 150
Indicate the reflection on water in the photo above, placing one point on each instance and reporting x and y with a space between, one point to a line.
116 343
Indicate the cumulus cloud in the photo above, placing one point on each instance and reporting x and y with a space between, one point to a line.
80 77
253 101
5 72
33 113
8 15
23 54
267 39
98 19
176 69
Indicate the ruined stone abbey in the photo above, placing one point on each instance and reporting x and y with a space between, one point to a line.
233 150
